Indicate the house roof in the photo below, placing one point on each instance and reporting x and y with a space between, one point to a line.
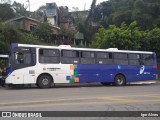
31 19
22 17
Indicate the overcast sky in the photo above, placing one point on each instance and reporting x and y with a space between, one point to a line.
70 3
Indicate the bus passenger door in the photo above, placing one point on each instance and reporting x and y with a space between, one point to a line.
23 60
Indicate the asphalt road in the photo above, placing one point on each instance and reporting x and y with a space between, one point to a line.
83 97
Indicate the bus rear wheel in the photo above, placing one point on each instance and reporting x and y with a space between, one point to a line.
44 81
120 80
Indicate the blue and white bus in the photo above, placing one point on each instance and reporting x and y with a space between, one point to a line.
48 65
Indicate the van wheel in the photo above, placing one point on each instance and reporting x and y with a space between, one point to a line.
44 81
120 80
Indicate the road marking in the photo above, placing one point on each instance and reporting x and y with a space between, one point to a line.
80 103
88 98
155 96
113 99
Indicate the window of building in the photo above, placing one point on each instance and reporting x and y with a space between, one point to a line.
32 27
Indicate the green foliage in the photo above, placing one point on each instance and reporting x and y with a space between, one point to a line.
11 34
123 37
151 41
43 32
83 26
6 12
145 12
101 36
39 14
128 37
19 8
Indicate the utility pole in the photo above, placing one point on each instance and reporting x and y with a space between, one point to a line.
28 4
84 6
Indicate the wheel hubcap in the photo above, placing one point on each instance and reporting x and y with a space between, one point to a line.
45 81
120 80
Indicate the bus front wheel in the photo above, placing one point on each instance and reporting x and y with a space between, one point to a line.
44 81
120 80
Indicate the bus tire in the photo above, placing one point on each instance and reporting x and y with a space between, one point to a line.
44 81
120 80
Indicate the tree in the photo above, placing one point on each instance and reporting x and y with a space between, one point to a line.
9 34
123 37
145 12
151 41
40 13
101 37
6 12
19 8
43 32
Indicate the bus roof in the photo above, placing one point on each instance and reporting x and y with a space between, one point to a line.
68 47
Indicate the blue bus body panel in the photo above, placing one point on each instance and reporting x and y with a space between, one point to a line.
106 73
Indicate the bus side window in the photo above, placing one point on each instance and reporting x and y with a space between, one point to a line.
70 56
148 59
120 58
87 57
134 59
49 56
104 58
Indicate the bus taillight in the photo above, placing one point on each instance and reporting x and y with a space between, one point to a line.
154 67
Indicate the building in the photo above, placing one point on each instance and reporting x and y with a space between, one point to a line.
29 24
52 13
